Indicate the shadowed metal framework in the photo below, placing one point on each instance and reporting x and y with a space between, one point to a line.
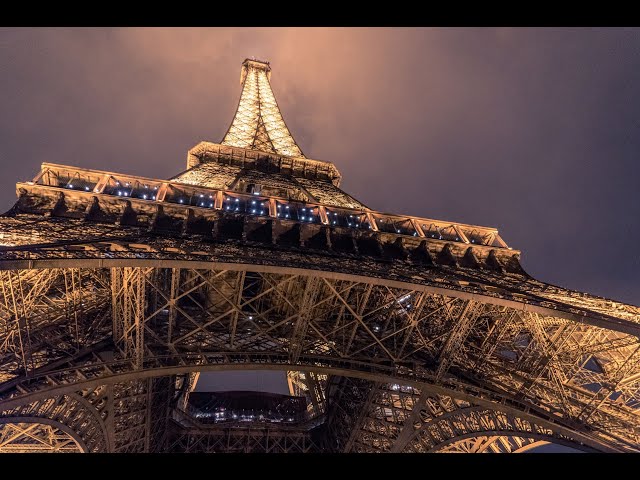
403 334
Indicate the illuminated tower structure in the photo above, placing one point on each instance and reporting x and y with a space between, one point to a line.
397 333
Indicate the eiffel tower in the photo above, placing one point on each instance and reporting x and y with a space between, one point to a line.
395 333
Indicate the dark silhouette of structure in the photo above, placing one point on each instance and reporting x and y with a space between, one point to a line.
397 333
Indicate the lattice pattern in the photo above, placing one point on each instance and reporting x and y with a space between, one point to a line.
416 336
258 124
243 440
186 317
35 438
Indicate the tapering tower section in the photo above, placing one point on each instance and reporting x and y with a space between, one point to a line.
258 155
258 124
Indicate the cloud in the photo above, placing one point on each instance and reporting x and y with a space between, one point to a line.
533 131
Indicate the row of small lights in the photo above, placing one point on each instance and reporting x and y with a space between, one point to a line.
234 416
287 215
307 217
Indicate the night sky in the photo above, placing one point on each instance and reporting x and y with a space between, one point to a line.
533 131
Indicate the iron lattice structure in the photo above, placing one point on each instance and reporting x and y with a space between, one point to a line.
404 334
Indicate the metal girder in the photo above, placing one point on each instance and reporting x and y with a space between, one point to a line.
410 425
304 316
48 316
35 438
344 324
491 444
405 420
130 311
349 401
462 326
441 283
404 333
246 440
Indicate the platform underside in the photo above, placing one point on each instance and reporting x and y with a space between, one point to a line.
403 331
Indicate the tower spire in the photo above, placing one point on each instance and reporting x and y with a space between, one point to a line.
258 123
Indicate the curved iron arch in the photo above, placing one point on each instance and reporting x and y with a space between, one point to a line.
534 304
540 439
79 442
84 444
331 361
489 401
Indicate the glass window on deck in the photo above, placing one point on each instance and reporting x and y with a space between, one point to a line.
481 237
440 232
246 205
298 211
189 196
347 218
71 180
402 226
131 188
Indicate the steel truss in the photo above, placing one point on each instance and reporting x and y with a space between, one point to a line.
123 334
258 123
36 438
405 334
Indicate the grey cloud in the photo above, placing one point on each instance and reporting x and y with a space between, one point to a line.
534 131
